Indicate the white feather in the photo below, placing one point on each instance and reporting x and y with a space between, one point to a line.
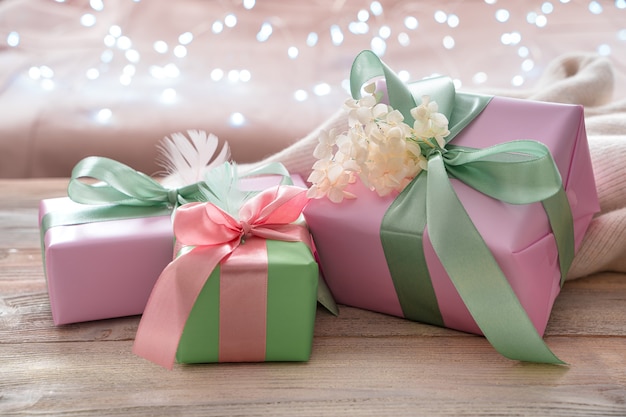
186 159
221 187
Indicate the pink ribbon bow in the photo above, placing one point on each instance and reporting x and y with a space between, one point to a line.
215 236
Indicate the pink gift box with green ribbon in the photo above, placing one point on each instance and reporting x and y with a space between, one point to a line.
479 241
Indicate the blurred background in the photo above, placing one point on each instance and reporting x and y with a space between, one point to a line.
113 77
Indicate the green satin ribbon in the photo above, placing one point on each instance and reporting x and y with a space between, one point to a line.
121 193
89 214
124 193
518 172
122 185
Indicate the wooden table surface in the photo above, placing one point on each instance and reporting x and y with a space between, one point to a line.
363 363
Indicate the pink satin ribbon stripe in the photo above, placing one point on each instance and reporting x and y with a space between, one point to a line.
215 235
243 303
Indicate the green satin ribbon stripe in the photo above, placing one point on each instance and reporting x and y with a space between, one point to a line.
401 235
90 214
561 222
517 172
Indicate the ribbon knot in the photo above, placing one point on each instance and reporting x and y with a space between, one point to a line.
172 197
431 152
246 231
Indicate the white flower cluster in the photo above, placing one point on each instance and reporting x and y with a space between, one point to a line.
379 148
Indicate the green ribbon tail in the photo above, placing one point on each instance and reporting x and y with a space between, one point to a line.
476 274
562 223
325 296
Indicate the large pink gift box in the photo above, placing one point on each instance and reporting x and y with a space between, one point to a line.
105 269
347 236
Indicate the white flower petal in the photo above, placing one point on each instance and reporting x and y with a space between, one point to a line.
395 116
380 111
335 195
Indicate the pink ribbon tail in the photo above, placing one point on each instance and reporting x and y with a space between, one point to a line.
171 301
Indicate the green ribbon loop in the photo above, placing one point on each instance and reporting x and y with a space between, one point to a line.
368 66
459 108
121 185
402 238
517 172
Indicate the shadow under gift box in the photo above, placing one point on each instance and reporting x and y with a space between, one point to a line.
347 235
106 269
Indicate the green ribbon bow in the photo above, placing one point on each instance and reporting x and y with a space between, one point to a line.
122 193
121 185
517 172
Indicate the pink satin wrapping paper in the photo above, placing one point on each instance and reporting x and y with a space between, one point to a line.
352 258
96 271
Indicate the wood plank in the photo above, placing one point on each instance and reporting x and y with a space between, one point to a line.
346 376
23 264
27 192
593 305
19 212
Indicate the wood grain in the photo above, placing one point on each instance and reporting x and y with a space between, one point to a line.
363 363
